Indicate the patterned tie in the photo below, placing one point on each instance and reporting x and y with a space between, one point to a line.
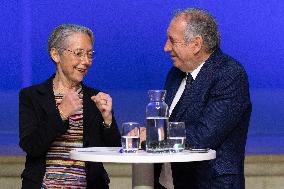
189 80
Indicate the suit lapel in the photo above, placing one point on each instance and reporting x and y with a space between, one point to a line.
172 90
192 94
183 103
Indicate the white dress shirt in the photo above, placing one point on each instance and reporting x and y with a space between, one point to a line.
181 88
166 178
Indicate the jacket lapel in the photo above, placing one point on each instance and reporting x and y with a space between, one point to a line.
87 105
90 112
192 94
183 103
46 94
48 100
172 90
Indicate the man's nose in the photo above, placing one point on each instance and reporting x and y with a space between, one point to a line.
168 46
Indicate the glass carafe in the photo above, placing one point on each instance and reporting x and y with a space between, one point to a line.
157 117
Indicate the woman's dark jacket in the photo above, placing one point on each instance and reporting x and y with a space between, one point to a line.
41 124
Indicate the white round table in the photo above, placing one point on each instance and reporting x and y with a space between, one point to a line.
113 155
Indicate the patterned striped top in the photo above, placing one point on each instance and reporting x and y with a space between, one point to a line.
61 171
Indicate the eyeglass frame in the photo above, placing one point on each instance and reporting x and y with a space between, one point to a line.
173 42
84 53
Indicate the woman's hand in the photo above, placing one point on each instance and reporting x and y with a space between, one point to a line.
70 104
104 104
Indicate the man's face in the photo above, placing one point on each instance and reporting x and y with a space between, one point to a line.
182 52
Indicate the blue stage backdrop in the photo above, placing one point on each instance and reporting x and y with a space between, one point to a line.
129 60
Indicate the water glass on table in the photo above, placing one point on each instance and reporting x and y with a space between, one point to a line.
130 137
176 136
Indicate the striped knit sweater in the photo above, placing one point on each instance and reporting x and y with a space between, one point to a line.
61 171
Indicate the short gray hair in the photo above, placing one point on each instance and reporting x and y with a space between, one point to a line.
200 22
58 37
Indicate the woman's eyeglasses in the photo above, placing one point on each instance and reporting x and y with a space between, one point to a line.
81 53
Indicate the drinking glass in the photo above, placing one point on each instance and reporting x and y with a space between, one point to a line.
130 137
176 136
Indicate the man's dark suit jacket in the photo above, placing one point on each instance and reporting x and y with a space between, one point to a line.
41 124
216 111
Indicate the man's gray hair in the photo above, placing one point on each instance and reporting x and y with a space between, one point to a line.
58 37
201 23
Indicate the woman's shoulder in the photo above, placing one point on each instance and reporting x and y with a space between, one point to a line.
41 87
30 89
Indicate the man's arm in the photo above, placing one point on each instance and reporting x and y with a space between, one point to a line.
227 104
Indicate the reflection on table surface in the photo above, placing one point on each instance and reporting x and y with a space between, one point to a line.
114 155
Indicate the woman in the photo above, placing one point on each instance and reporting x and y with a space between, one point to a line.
62 113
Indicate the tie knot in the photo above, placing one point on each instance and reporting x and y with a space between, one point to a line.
188 79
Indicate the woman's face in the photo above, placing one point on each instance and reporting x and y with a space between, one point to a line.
76 58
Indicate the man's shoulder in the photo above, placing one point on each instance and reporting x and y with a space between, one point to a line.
226 64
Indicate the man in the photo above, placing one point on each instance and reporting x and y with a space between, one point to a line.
209 91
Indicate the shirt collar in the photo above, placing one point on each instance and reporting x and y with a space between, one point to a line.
195 72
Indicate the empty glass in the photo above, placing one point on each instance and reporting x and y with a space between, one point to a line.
130 137
176 136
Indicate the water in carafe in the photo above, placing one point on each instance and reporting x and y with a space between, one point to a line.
157 117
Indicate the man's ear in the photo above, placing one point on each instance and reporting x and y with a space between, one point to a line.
55 55
197 43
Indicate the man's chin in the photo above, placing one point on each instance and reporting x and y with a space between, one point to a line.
176 64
